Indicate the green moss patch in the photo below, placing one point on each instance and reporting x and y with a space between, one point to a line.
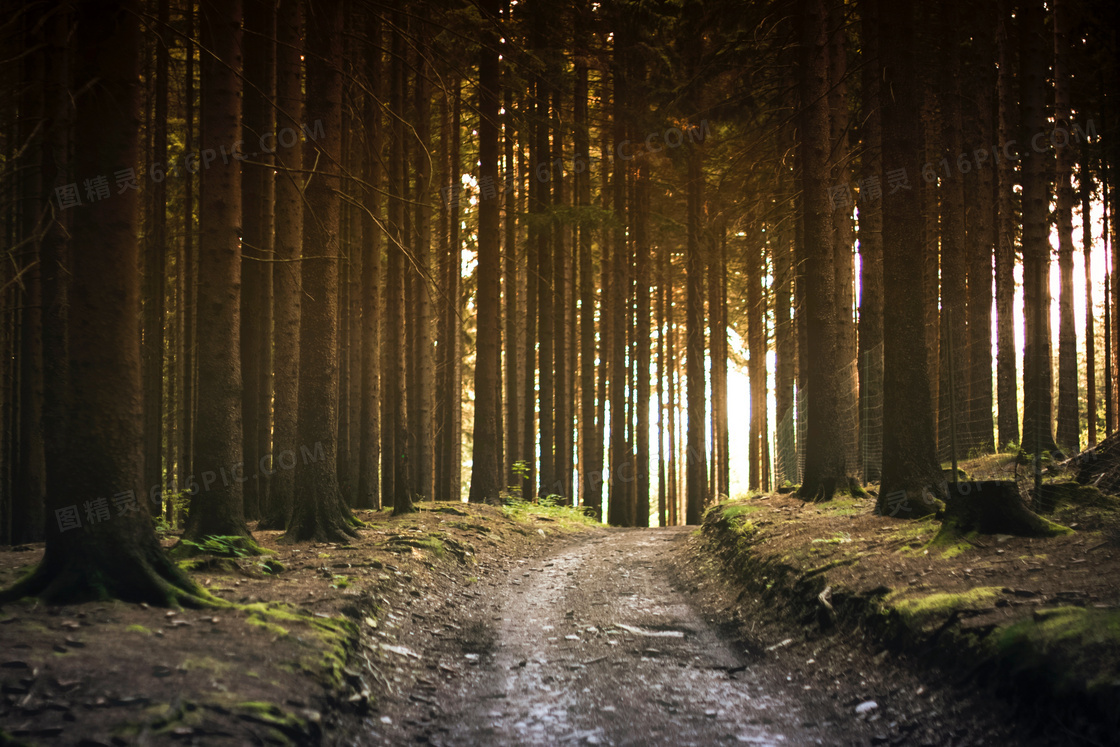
919 611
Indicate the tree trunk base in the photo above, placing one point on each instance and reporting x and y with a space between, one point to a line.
321 521
827 489
994 507
140 577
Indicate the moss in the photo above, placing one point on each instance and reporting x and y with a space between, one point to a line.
841 506
1077 649
270 714
11 741
138 629
205 663
917 611
332 637
272 566
231 546
269 626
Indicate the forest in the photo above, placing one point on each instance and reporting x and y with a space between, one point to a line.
271 261
290 276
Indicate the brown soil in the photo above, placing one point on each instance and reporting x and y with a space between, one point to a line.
894 590
302 659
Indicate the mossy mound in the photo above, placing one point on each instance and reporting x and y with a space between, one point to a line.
1072 651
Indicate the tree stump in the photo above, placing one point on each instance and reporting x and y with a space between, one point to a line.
994 507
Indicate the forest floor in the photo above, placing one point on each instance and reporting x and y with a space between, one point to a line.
305 658
1034 621
470 625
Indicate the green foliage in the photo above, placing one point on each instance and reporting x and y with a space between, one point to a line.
838 538
226 546
569 517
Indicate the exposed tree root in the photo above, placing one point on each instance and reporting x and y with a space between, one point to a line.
150 578
994 507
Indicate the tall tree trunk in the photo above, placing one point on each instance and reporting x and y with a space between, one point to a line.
512 280
980 225
826 466
756 364
561 241
546 319
54 259
696 459
660 260
217 507
257 193
843 235
109 548
485 478
620 480
1068 430
785 331
910 465
28 487
448 392
672 497
369 495
642 358
396 474
871 251
190 262
1038 433
954 252
590 489
1086 186
422 234
287 246
155 268
318 511
1007 389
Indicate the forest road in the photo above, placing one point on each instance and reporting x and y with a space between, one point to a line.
594 644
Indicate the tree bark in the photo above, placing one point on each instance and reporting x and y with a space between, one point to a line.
910 465
318 511
871 251
287 247
1086 187
826 464
369 494
954 251
485 477
1069 429
217 507
257 193
1038 432
1007 390
100 540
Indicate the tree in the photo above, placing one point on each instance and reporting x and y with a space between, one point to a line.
1007 395
368 495
826 466
910 465
954 250
1069 430
1038 430
216 506
257 194
871 247
100 540
319 513
485 478
287 246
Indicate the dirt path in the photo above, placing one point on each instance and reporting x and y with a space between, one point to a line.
595 644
